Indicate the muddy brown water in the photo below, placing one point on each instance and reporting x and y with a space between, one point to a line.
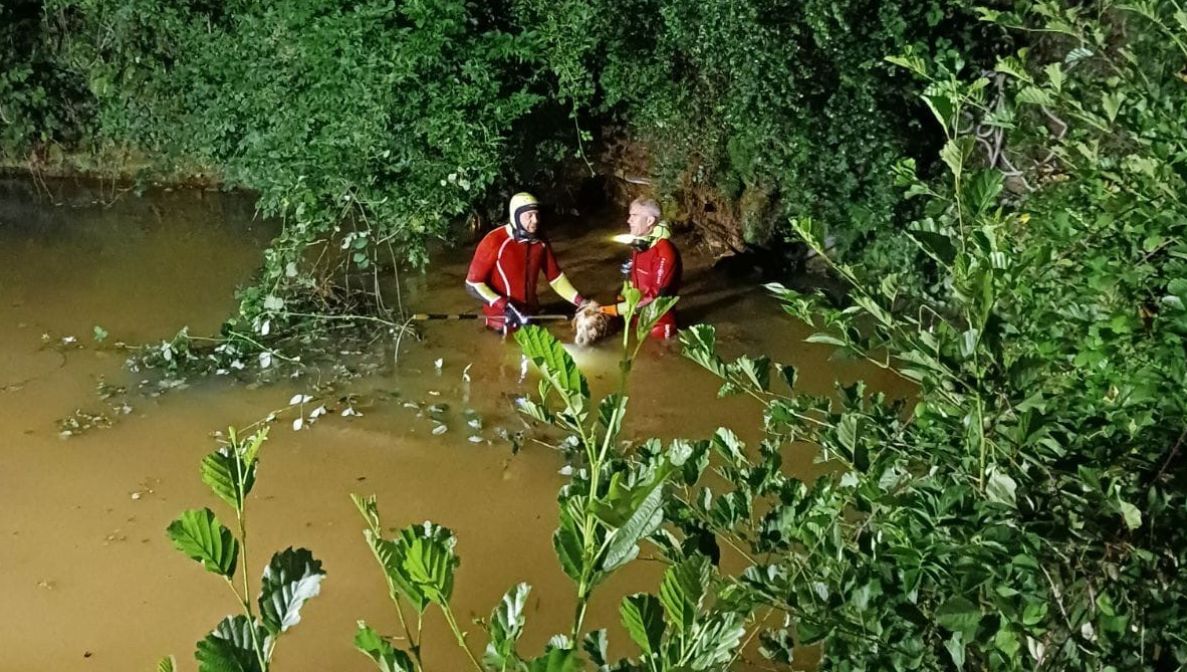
87 577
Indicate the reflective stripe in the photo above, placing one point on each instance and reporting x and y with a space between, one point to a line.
489 295
499 266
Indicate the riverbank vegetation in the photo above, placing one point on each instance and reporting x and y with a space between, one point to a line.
1025 269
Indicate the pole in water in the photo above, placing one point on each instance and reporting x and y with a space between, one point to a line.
424 317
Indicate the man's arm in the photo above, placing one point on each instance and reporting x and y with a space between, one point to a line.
480 269
557 279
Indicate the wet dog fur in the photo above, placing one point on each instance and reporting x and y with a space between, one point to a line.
590 325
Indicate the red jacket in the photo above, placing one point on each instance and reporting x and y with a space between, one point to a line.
511 268
656 272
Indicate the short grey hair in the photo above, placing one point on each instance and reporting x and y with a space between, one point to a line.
648 204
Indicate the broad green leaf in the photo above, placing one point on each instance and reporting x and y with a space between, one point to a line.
611 411
681 591
557 660
642 522
982 189
651 313
756 370
227 476
390 555
955 648
958 614
429 559
1001 488
199 535
378 649
567 543
941 108
716 641
939 246
909 61
292 578
506 625
547 353
1055 74
166 664
1033 95
643 618
1014 67
1132 515
1111 103
955 152
700 345
596 647
229 647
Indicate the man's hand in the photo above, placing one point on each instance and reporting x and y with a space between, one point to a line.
512 318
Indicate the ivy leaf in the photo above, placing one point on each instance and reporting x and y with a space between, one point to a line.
643 618
199 535
378 649
292 578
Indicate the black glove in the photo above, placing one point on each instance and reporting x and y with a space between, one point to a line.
512 318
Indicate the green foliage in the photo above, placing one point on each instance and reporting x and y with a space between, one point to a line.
242 643
199 535
774 108
1025 510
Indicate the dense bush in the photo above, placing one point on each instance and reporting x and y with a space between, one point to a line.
1027 510
776 108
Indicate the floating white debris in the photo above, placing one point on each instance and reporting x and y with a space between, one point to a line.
440 362
299 399
434 393
68 340
475 439
349 411
298 424
266 328
466 373
265 360
317 412
136 495
439 430
566 470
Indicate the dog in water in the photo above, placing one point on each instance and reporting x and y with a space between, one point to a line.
590 325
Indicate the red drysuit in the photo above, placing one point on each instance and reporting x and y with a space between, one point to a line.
511 269
656 272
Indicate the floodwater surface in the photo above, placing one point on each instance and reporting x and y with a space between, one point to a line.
87 577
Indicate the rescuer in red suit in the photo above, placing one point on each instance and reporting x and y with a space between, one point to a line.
655 267
507 265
